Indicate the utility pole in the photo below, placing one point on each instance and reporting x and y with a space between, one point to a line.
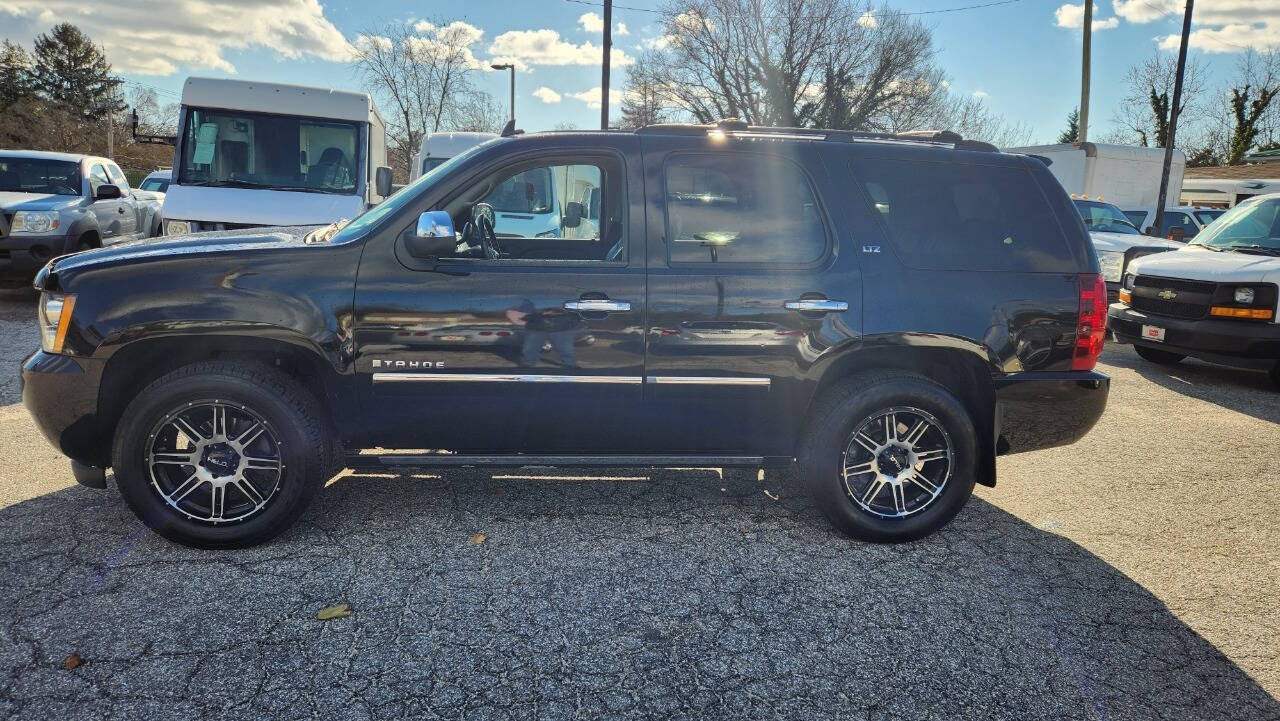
604 74
1083 134
1174 107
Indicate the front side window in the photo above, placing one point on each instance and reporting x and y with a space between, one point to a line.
37 175
97 178
728 208
117 177
565 210
957 216
260 150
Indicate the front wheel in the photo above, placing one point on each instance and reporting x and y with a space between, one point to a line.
889 457
222 455
1155 355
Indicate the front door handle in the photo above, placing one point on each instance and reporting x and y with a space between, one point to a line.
817 305
598 305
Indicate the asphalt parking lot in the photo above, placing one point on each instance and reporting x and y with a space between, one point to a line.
1131 576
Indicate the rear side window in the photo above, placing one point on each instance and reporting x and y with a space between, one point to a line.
954 216
729 208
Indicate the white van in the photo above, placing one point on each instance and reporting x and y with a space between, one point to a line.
252 154
1214 299
437 148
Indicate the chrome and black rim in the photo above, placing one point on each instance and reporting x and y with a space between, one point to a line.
215 462
897 462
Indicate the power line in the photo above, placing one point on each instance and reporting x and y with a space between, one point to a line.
872 15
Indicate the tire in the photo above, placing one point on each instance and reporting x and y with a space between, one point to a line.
297 454
1155 355
86 242
828 445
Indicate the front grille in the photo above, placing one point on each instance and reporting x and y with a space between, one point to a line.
1189 299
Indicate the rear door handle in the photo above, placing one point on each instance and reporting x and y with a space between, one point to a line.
598 305
817 305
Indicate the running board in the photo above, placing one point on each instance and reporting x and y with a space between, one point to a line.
371 461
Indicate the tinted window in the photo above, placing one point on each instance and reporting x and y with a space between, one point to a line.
1137 217
741 209
966 217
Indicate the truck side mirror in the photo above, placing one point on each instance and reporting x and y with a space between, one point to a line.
432 237
382 181
107 191
572 214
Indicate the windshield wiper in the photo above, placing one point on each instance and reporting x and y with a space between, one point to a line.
1255 249
263 186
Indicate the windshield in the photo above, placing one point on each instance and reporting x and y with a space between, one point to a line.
402 197
1104 217
1253 225
282 152
36 175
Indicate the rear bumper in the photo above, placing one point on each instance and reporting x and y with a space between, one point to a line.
1231 342
61 393
1044 410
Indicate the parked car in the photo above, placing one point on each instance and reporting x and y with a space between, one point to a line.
1116 241
157 181
257 154
1214 299
57 203
1183 221
928 302
438 148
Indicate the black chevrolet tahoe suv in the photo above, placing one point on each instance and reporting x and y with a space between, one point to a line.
889 313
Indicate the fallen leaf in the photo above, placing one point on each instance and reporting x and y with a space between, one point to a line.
72 662
328 613
478 538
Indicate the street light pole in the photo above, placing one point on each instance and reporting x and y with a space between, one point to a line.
1158 224
512 68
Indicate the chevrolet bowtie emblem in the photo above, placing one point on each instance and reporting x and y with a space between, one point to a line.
1167 294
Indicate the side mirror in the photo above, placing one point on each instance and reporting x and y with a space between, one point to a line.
107 191
572 214
382 181
433 237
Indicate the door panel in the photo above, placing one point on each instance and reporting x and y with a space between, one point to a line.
730 368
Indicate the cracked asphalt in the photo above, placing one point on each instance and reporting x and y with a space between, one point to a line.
1134 575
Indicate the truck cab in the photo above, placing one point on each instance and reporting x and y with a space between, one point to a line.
259 154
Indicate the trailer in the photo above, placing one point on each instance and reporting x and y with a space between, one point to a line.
1125 175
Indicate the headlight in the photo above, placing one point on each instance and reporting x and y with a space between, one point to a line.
55 317
1112 264
178 227
1244 295
31 221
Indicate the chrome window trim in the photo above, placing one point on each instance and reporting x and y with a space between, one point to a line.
499 378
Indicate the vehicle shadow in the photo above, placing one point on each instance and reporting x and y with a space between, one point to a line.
1245 391
634 593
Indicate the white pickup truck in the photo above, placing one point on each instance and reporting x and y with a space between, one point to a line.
1214 299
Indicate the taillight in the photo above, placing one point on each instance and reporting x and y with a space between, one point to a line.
1091 326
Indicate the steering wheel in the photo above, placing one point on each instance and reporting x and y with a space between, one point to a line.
488 238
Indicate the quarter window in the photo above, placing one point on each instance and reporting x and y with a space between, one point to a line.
965 217
741 209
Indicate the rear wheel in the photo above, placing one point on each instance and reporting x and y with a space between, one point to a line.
220 455
1155 355
889 457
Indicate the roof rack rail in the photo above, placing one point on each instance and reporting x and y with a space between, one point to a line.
734 125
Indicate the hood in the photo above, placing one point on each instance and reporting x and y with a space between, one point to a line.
11 201
1120 242
195 244
1193 262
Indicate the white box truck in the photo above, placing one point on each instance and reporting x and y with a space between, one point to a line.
252 154
1125 175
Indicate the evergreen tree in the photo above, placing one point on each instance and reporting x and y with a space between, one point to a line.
73 73
1247 114
15 74
1072 133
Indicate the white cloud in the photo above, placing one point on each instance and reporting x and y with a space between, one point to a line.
1145 11
1219 26
525 48
621 29
592 97
1072 16
546 95
158 37
591 22
980 94
656 43
867 20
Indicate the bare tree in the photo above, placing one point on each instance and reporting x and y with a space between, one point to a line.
421 74
1144 111
971 117
643 100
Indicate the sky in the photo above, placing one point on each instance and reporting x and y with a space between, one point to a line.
1022 57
